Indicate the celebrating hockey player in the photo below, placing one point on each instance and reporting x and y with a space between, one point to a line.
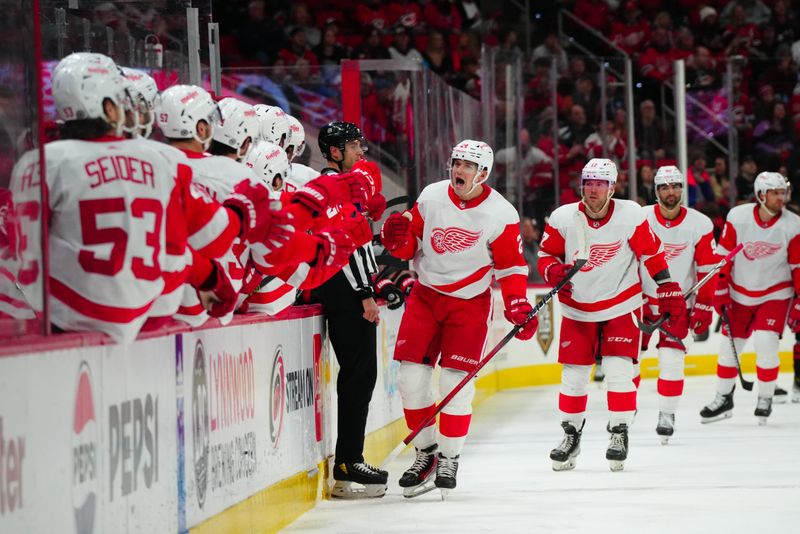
460 233
688 240
756 291
598 302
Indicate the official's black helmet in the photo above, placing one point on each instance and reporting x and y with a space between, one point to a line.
338 133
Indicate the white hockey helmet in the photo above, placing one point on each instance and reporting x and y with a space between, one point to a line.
143 90
85 57
181 107
273 124
238 124
669 174
269 161
477 152
81 87
297 136
768 181
600 169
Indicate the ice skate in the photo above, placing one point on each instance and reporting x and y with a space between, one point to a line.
418 479
617 451
666 426
763 410
564 455
796 390
780 396
446 469
358 480
720 408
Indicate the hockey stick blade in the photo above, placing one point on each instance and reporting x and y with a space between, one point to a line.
746 384
649 328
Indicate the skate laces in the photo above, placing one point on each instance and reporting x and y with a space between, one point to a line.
666 419
718 401
421 462
364 467
567 441
764 403
447 466
617 440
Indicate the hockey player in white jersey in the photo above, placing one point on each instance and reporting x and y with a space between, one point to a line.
461 234
597 304
273 124
688 239
757 290
299 174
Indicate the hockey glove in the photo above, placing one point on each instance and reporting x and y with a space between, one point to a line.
216 293
405 281
371 176
335 248
677 326
394 232
517 310
722 294
700 320
670 300
385 289
376 206
555 273
794 315
331 190
252 203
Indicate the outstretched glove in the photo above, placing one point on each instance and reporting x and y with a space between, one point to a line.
252 203
722 294
670 300
555 273
376 206
794 315
700 321
216 292
385 289
517 310
371 174
335 247
394 232
331 190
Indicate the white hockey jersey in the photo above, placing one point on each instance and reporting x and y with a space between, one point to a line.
768 267
608 285
460 245
107 236
299 176
689 249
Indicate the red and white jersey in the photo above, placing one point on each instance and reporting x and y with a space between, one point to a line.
689 249
218 176
608 285
768 267
461 245
299 176
108 200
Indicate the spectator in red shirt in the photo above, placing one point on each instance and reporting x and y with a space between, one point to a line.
442 15
633 33
298 61
742 37
405 13
656 61
594 13
372 14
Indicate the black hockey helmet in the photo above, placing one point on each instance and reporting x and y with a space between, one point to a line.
338 133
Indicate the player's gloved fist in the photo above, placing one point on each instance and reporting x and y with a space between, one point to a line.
722 294
700 321
394 232
405 281
555 273
252 203
216 292
794 315
375 206
371 175
670 300
385 289
517 310
335 248
331 190
677 326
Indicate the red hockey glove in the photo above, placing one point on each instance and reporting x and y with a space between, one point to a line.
216 293
376 206
555 273
517 310
794 315
386 290
394 232
670 300
722 295
371 175
678 326
700 320
331 190
405 281
251 202
335 248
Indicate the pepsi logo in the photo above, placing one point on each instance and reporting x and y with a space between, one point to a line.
85 449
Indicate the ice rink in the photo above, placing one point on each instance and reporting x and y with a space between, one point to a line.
726 477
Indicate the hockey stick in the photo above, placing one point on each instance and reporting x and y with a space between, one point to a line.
746 384
649 328
580 261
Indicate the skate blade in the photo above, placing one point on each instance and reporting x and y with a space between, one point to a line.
353 491
796 398
664 440
616 465
706 420
762 421
564 466
416 491
445 492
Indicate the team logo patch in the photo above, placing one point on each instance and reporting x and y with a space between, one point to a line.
453 240
673 250
755 250
601 254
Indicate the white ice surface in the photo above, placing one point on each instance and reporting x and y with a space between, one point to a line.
727 477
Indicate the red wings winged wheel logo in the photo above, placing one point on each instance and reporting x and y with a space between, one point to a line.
673 250
755 250
600 254
453 240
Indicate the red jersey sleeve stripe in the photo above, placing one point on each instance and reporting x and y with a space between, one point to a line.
216 237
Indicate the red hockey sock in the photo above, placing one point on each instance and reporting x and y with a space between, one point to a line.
454 426
414 418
